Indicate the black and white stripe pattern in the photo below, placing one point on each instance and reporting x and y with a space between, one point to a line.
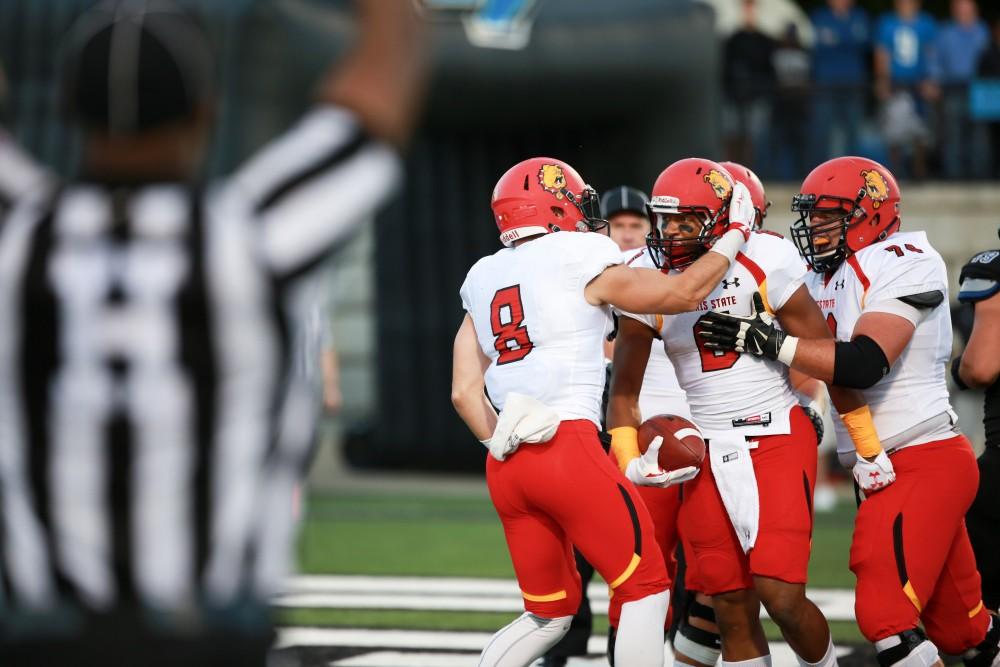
151 427
19 176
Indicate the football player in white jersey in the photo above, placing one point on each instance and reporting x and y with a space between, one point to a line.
697 641
537 313
884 292
746 521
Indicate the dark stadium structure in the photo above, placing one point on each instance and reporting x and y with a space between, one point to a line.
575 92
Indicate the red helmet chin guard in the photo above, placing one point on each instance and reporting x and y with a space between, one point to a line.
542 195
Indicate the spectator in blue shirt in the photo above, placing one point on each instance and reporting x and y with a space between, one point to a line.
905 44
904 81
840 76
960 44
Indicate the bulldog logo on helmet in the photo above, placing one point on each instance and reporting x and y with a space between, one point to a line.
722 186
875 186
551 178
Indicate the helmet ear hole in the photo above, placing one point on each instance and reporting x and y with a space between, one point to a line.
557 212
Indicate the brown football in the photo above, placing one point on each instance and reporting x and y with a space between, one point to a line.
682 442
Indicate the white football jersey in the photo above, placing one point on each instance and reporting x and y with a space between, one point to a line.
533 322
732 391
915 389
661 393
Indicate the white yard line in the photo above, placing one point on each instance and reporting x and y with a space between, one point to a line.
425 646
472 595
406 602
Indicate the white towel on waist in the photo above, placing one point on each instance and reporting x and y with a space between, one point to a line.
523 419
737 484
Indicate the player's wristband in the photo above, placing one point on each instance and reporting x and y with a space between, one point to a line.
624 444
729 244
955 375
862 431
786 353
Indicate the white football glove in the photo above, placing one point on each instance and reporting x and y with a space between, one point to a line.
681 475
742 215
875 475
645 470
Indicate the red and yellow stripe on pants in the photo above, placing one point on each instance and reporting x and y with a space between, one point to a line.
911 553
566 492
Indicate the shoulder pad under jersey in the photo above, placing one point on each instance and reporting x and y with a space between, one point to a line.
980 277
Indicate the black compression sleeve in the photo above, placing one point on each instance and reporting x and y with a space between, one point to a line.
859 364
955 364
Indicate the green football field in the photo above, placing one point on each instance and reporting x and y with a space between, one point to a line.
447 535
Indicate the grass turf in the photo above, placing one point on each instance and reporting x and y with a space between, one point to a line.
461 537
427 535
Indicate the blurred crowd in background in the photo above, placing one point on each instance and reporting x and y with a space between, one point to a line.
916 91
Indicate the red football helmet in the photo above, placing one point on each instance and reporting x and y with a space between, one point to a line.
694 186
542 195
757 195
866 193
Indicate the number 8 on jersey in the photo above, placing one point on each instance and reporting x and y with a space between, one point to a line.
506 319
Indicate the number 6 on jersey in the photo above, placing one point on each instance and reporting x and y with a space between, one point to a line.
506 318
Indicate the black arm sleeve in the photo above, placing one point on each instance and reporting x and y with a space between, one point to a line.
955 364
859 364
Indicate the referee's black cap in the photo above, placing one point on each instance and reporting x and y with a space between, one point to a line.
134 65
623 198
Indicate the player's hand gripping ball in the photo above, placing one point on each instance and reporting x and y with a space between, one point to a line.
682 445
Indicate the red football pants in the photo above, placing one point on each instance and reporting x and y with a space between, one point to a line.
785 469
663 506
911 553
564 492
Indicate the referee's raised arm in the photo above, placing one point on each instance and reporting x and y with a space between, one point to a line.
321 180
152 427
382 80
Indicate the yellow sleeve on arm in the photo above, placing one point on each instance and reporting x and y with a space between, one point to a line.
624 444
862 431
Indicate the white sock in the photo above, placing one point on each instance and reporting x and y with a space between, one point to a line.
829 658
524 640
640 632
762 661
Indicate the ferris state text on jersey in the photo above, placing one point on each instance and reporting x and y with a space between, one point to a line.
757 399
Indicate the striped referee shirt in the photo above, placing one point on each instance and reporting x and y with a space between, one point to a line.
151 429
